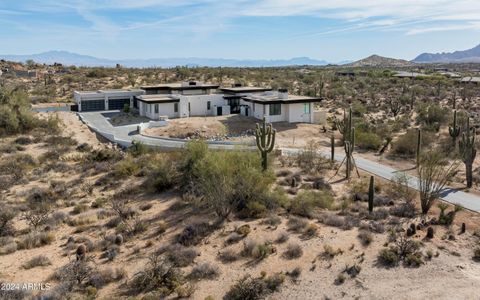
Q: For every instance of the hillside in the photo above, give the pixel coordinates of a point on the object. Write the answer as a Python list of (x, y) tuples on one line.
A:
[(380, 61), (466, 56)]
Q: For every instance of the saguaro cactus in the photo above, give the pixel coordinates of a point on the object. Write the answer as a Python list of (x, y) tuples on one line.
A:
[(332, 148), (371, 193), (419, 145), (468, 151), (349, 147), (454, 130), (265, 138), (345, 126)]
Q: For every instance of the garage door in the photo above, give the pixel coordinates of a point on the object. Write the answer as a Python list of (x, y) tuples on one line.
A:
[(93, 105), (117, 103)]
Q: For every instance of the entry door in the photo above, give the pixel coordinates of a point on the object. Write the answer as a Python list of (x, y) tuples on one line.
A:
[(219, 111)]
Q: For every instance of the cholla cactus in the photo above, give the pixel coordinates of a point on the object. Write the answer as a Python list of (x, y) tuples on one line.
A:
[(468, 151), (265, 138)]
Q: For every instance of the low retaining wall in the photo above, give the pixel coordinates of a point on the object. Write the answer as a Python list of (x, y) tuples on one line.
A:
[(151, 124)]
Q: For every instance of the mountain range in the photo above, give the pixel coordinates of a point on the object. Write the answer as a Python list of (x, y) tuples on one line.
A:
[(68, 58), (466, 56)]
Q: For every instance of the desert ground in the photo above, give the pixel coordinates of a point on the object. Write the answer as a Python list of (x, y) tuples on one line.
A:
[(308, 254)]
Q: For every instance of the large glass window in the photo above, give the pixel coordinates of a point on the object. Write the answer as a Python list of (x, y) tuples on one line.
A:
[(306, 108), (208, 105), (156, 108), (175, 107), (275, 109)]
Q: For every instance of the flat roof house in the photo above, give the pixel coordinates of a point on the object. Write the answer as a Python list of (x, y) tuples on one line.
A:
[(193, 98), (279, 106)]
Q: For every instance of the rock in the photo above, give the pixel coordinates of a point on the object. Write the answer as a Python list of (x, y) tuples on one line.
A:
[(243, 230)]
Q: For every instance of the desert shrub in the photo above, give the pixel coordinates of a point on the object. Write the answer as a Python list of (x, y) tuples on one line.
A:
[(432, 116), (97, 73), (311, 161), (17, 166), (297, 224), (282, 237), (74, 273), (272, 220), (329, 252), (7, 214), (178, 255), (37, 261), (35, 239), (365, 237), (234, 238), (293, 251), (61, 141), (194, 233), (16, 115), (138, 149), (126, 167), (228, 255), (103, 155), (79, 208), (310, 231), (158, 275), (23, 140), (38, 212), (367, 140), (398, 188), (476, 253), (204, 270), (404, 210), (388, 257), (7, 246), (162, 173), (248, 288), (406, 145), (103, 277), (306, 201), (84, 147)]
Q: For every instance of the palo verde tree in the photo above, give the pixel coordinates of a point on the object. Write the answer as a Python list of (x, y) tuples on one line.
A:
[(434, 172), (468, 151), (265, 138)]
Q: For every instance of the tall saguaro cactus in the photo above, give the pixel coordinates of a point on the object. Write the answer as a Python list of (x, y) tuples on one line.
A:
[(349, 146), (454, 130), (345, 126), (265, 138), (468, 151), (371, 193), (332, 148), (419, 145)]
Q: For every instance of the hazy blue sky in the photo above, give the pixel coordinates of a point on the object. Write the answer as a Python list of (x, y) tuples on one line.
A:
[(333, 30)]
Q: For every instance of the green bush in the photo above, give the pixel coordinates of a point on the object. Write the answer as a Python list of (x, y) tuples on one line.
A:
[(388, 257), (367, 140), (126, 167), (228, 180), (306, 201), (162, 173), (406, 145)]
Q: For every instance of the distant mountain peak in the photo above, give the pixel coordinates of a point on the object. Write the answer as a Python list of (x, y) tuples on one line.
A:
[(376, 60), (465, 56)]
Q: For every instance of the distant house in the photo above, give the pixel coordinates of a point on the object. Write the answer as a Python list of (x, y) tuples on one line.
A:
[(345, 74), (193, 98), (475, 80), (450, 74), (403, 74)]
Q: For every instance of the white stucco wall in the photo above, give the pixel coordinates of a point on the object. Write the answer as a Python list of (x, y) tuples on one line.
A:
[(198, 104), (296, 113), (164, 109)]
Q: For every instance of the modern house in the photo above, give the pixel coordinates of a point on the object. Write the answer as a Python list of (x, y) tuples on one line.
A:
[(182, 100)]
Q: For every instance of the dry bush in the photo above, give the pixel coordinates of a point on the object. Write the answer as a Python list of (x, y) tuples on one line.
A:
[(179, 255), (234, 238), (204, 270), (296, 224), (103, 277), (158, 275), (7, 214), (193, 234), (293, 251), (365, 237), (307, 201), (35, 239), (37, 261), (228, 255), (282, 238), (254, 288), (329, 252)]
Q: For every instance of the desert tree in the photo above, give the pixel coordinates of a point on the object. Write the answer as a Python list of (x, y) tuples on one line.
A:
[(434, 173), (468, 151)]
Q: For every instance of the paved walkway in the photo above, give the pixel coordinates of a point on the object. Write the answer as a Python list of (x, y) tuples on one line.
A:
[(126, 134)]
